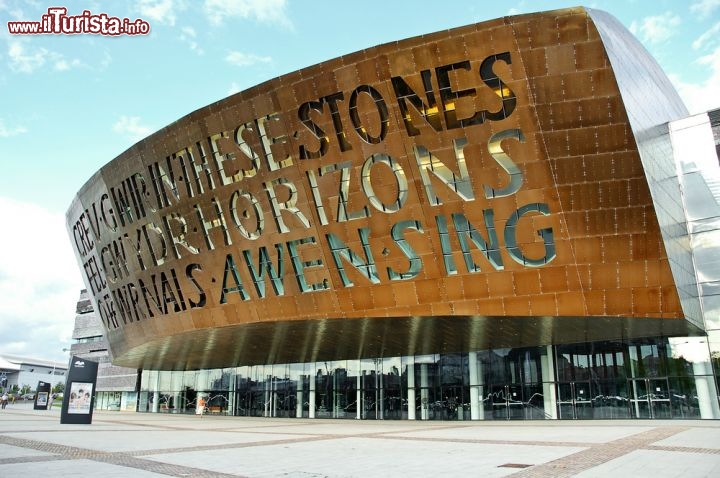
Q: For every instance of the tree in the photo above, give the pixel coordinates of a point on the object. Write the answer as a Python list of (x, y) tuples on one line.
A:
[(58, 388)]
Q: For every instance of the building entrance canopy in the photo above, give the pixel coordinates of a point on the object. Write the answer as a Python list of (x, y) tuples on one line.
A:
[(319, 340)]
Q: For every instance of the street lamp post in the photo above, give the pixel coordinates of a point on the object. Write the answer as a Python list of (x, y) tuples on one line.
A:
[(68, 362)]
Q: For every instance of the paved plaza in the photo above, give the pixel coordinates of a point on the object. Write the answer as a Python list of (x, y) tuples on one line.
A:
[(120, 444)]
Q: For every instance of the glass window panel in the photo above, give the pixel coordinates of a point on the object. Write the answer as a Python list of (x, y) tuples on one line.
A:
[(184, 380)]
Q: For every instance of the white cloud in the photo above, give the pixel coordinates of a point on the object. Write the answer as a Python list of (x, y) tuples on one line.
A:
[(15, 12), (131, 127), (266, 11), (708, 38), (40, 282), (702, 96), (106, 60), (7, 132), (25, 60), (234, 88), (692, 349), (239, 58), (704, 8), (160, 11), (656, 29), (188, 36), (64, 65)]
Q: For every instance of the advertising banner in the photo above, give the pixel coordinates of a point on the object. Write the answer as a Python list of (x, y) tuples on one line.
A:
[(42, 397), (78, 400)]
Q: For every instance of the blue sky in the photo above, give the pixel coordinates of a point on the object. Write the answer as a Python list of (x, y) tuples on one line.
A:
[(69, 104)]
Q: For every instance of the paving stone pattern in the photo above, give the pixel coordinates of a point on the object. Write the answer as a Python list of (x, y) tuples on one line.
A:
[(167, 445)]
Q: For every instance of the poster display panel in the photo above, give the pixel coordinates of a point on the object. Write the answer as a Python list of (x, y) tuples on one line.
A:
[(78, 400)]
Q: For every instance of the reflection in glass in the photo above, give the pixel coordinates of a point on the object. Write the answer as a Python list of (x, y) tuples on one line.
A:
[(649, 378)]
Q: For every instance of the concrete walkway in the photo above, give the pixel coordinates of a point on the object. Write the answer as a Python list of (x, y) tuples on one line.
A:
[(122, 444)]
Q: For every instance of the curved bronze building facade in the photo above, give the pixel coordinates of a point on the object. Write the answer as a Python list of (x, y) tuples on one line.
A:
[(499, 186)]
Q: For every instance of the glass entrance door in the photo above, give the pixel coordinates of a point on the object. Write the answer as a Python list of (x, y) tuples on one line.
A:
[(507, 402), (456, 403), (574, 400), (650, 398)]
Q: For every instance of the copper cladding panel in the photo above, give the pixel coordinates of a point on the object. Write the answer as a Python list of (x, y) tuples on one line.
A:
[(246, 230)]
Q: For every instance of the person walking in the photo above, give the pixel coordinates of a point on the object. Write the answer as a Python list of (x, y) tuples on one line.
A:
[(200, 406), (4, 400)]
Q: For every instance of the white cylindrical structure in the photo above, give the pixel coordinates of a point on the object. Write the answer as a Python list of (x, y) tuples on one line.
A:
[(547, 366), (411, 402), (424, 399), (475, 370), (311, 399), (706, 390), (358, 394), (299, 397)]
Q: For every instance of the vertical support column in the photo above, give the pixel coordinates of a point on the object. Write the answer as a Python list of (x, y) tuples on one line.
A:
[(358, 392), (299, 397), (706, 390), (156, 393), (476, 391), (411, 388), (273, 396), (424, 399), (266, 404), (177, 402), (381, 385), (335, 398), (363, 397), (311, 405), (232, 386), (632, 353), (547, 369)]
